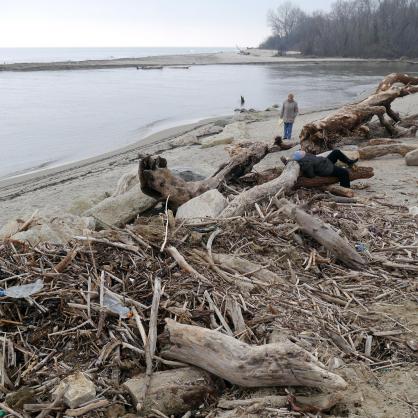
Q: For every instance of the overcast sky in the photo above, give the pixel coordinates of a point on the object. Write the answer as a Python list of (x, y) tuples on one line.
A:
[(77, 23)]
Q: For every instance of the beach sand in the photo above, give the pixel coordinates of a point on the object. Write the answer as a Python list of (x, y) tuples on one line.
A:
[(256, 56), (78, 186)]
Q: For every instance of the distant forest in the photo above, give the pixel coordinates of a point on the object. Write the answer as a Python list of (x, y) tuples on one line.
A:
[(353, 28)]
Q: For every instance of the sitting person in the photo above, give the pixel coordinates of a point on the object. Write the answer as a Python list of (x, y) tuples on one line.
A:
[(313, 165)]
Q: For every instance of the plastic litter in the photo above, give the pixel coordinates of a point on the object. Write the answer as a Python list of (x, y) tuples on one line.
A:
[(2, 413), (24, 290), (114, 305), (361, 248)]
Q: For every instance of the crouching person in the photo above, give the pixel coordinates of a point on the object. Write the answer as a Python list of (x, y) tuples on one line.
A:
[(313, 165)]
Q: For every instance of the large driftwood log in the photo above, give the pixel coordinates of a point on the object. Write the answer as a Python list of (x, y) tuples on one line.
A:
[(246, 200), (160, 183), (350, 120), (374, 151), (323, 233), (280, 364)]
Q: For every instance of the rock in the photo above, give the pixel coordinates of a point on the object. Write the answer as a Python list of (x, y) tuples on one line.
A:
[(80, 389), (412, 158), (119, 210), (186, 174), (173, 392), (58, 229), (209, 204)]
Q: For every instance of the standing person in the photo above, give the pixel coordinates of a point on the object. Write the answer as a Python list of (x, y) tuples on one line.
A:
[(288, 114)]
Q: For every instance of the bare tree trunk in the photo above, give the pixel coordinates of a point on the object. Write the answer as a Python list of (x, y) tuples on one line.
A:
[(322, 135), (279, 364)]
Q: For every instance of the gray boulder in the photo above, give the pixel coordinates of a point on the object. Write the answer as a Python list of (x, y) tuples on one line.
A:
[(121, 209), (412, 158), (208, 205)]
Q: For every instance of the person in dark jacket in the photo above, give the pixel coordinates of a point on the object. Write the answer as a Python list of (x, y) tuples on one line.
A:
[(313, 165)]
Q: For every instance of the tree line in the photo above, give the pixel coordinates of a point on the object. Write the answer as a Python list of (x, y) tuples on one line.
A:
[(352, 28)]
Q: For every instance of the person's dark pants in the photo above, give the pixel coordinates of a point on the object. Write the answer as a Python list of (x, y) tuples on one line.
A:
[(342, 174), (288, 130)]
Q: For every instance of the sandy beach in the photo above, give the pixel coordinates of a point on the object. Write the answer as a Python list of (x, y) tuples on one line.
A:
[(78, 186), (255, 56)]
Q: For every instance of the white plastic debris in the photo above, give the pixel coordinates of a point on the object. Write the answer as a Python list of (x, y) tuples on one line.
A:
[(114, 305), (24, 290)]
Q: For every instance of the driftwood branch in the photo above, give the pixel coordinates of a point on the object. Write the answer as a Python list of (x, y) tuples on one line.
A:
[(323, 233), (279, 364), (350, 120)]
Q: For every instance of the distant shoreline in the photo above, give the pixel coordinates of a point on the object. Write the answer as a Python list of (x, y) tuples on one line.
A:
[(260, 57)]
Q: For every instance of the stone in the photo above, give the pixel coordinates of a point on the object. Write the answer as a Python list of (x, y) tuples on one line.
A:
[(173, 392), (80, 389), (186, 174), (121, 209), (412, 158), (413, 210), (208, 205), (57, 229)]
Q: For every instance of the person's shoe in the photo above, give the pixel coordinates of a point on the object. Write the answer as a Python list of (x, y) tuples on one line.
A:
[(352, 162)]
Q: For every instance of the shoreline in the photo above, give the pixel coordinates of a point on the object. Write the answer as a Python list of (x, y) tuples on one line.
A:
[(219, 58), (77, 186)]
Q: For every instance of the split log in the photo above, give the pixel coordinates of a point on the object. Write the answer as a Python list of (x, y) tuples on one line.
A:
[(374, 151), (350, 120), (323, 233), (356, 173), (246, 200), (280, 364), (160, 183)]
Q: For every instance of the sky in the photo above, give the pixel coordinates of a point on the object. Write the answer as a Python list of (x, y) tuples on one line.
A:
[(152, 23)]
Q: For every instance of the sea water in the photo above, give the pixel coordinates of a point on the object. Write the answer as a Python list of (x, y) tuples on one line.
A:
[(49, 118)]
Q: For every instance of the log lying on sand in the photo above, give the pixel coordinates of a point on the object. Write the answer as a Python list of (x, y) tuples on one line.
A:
[(323, 233), (350, 120), (280, 364), (159, 182), (374, 151), (355, 174)]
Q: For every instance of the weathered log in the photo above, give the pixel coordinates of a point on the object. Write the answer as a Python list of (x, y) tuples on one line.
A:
[(247, 199), (323, 233), (374, 151), (160, 183), (355, 174), (280, 364), (350, 120)]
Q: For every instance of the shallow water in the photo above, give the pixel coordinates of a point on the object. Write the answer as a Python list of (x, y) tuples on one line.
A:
[(54, 117)]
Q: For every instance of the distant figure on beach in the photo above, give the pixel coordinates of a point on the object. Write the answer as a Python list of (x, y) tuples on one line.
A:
[(313, 165), (242, 101), (288, 114)]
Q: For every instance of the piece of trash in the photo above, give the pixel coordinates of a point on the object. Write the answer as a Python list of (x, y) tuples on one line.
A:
[(412, 344), (114, 305), (2, 413), (23, 291), (413, 210), (361, 248)]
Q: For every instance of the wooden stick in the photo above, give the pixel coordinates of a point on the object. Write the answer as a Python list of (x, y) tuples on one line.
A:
[(77, 412), (151, 343)]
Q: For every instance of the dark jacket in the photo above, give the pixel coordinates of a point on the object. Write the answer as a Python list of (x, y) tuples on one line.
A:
[(312, 165)]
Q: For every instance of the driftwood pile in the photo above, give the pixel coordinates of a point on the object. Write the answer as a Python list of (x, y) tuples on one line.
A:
[(252, 300)]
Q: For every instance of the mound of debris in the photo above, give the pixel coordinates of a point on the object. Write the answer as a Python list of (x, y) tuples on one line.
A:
[(166, 317)]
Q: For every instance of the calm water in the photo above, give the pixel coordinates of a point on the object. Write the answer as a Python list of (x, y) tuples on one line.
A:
[(11, 55), (51, 118)]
